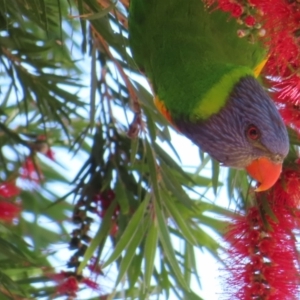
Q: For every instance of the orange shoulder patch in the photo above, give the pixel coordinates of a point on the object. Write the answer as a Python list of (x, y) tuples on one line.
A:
[(162, 109)]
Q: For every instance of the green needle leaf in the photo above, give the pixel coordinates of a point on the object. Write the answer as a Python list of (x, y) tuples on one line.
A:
[(164, 238), (149, 252), (130, 231)]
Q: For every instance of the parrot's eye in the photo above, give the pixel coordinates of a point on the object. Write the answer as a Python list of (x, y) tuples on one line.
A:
[(253, 132)]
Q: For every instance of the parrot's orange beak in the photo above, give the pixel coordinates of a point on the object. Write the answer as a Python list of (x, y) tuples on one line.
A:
[(265, 172)]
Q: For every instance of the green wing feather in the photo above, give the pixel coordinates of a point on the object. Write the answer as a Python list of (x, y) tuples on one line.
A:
[(192, 56)]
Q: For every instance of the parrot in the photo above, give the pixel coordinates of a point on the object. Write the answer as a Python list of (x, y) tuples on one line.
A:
[(205, 81)]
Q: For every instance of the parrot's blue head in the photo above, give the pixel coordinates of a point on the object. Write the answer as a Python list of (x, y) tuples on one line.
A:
[(247, 133)]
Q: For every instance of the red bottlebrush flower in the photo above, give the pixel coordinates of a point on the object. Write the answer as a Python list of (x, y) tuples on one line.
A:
[(287, 89), (94, 266), (263, 259), (286, 92), (68, 283), (114, 229), (225, 5), (291, 115), (280, 19), (30, 171), (283, 52), (236, 10), (69, 286), (9, 189), (9, 211), (50, 154), (104, 200), (285, 197), (91, 284), (250, 21)]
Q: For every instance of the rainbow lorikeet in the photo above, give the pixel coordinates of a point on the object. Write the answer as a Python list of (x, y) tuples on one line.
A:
[(204, 77)]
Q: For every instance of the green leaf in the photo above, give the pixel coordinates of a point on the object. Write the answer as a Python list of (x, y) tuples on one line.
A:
[(134, 149), (180, 222), (215, 175), (149, 252), (151, 126), (135, 269), (153, 169), (99, 237), (164, 238), (192, 296), (121, 195), (206, 241), (131, 248), (131, 229), (100, 14)]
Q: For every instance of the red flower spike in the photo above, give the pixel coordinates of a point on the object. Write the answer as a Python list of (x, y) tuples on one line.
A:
[(68, 287), (250, 21), (225, 5), (9, 189), (291, 116), (8, 211), (236, 10), (103, 201), (288, 90), (68, 283), (253, 217), (266, 269), (110, 195), (94, 266), (280, 19), (91, 284), (114, 229), (97, 198), (29, 171), (258, 290), (257, 262), (50, 154)]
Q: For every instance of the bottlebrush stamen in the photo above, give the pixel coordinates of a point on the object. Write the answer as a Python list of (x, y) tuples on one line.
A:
[(262, 255)]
